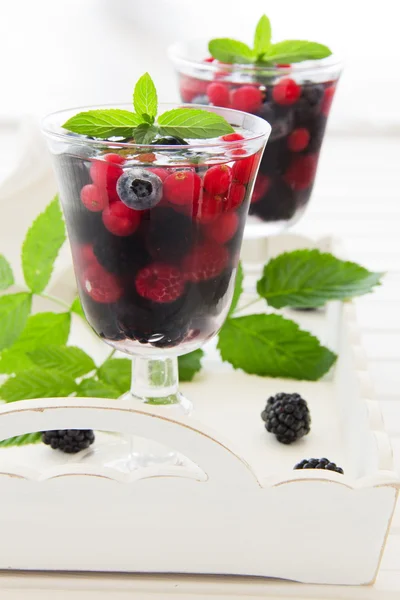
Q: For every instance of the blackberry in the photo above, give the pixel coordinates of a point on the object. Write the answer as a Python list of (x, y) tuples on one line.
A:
[(287, 416), (170, 234), (309, 103), (169, 140), (318, 463), (69, 441), (118, 254), (279, 204)]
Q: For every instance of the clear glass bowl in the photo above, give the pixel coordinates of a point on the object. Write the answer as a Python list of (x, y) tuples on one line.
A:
[(294, 99)]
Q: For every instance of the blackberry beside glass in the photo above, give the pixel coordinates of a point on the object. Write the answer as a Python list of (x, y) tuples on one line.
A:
[(294, 99)]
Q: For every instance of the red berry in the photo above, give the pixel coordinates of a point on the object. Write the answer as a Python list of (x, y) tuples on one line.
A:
[(223, 230), (283, 66), (101, 285), (207, 208), (301, 172), (298, 139), (190, 87), (242, 170), (162, 173), (236, 196), (217, 179), (327, 100), (120, 220), (86, 254), (261, 187), (238, 152), (160, 282), (94, 197), (182, 187), (148, 157), (247, 98), (232, 137), (106, 172), (218, 94), (205, 261), (209, 59), (286, 92)]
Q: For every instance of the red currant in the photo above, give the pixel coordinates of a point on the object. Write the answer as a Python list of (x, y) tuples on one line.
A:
[(217, 179), (327, 100), (286, 92), (94, 198), (182, 187), (261, 187), (243, 169), (246, 98), (232, 137), (236, 196), (162, 173), (298, 140), (301, 172), (106, 172), (218, 94), (102, 286), (208, 208), (224, 228), (121, 220)]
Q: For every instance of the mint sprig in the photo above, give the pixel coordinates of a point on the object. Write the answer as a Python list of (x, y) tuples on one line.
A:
[(231, 51), (143, 126)]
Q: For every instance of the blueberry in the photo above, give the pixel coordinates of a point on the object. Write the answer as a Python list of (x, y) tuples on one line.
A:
[(202, 99), (169, 140), (139, 189)]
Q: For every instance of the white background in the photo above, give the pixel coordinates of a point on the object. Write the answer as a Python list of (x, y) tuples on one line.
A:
[(59, 53)]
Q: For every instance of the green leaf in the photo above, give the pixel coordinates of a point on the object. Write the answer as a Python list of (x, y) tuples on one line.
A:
[(193, 123), (6, 274), (41, 246), (67, 359), (262, 36), (116, 372), (14, 361), (309, 278), (292, 51), (93, 388), (44, 329), (272, 346), (76, 307), (148, 119), (14, 311), (22, 440), (37, 383), (145, 133), (231, 51), (237, 292), (104, 123), (145, 96), (189, 365)]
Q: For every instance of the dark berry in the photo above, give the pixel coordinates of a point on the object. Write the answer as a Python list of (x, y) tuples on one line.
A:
[(160, 282), (139, 189), (309, 105), (169, 140), (69, 441), (278, 204), (121, 220), (318, 463), (287, 416), (118, 254), (169, 234)]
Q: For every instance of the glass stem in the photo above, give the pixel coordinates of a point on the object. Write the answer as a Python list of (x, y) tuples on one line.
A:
[(155, 380)]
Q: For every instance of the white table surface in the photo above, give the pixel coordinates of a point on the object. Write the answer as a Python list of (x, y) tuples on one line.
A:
[(357, 197)]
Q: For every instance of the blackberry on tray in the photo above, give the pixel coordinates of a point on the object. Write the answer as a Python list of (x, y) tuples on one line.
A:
[(287, 416), (69, 441), (318, 463)]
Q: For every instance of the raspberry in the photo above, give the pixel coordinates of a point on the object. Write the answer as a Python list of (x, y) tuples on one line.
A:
[(232, 137), (218, 94), (301, 172), (286, 92), (106, 172), (298, 139), (243, 169), (261, 187), (217, 179), (160, 282), (162, 173), (102, 287), (223, 230), (120, 220), (246, 98), (208, 208), (94, 198), (236, 196), (182, 187), (190, 88), (205, 261), (327, 100)]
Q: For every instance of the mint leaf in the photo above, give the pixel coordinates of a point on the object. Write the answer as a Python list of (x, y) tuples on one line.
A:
[(145, 133), (14, 312), (237, 292), (230, 51), (116, 372), (93, 388), (145, 96), (6, 274), (14, 361), (41, 246), (68, 359), (76, 307), (193, 123), (148, 119), (292, 51), (272, 346), (44, 329), (22, 440), (104, 123), (189, 365), (262, 36), (37, 383), (310, 278)]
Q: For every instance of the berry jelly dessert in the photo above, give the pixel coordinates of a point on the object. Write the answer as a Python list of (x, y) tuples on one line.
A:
[(295, 99)]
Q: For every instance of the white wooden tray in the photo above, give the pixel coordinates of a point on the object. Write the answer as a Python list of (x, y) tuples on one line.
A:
[(240, 509)]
